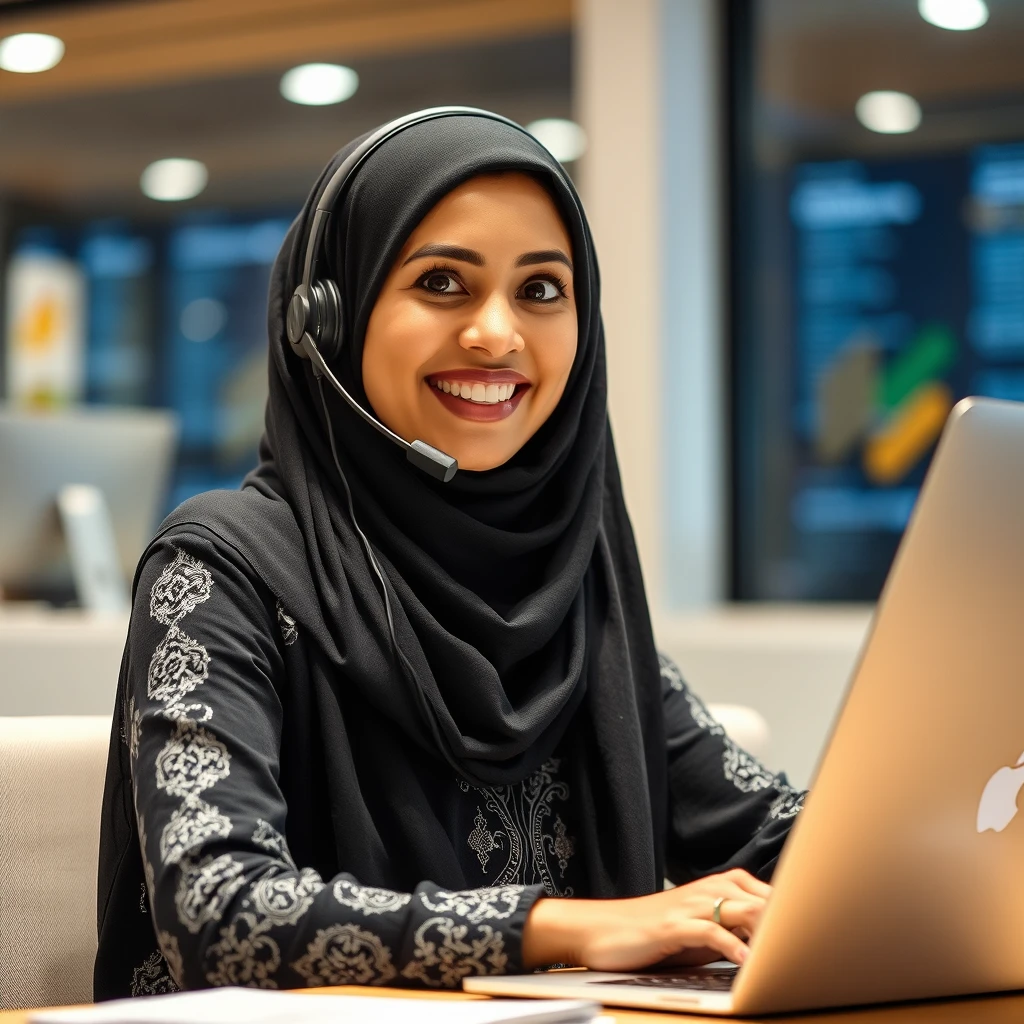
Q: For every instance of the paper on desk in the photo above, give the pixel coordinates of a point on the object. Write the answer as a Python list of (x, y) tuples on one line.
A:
[(250, 1006)]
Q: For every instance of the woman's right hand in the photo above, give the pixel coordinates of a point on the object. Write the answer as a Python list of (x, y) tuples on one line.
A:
[(674, 926)]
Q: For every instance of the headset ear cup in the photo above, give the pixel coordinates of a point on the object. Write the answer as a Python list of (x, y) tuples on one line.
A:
[(328, 300)]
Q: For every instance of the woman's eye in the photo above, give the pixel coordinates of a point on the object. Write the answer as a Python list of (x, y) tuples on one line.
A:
[(540, 290), (441, 284)]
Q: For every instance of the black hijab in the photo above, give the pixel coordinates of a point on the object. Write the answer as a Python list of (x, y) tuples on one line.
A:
[(519, 607)]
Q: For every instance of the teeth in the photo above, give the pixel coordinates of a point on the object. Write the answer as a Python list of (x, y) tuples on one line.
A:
[(482, 394)]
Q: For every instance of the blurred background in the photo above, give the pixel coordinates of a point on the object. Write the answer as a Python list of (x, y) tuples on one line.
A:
[(810, 222)]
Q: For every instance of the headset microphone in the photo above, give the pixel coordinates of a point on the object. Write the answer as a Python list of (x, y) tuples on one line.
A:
[(419, 453)]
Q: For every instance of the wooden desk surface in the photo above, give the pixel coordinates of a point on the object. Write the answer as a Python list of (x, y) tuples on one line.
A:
[(987, 1010)]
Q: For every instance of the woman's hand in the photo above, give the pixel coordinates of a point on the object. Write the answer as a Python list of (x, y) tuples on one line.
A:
[(675, 926)]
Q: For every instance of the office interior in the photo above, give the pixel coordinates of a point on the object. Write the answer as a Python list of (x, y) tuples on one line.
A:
[(809, 217)]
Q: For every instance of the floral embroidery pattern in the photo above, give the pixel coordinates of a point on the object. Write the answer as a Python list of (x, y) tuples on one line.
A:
[(562, 846), (482, 841), (177, 667), (134, 728), (743, 770), (183, 585), (192, 760), (283, 899), (523, 814), (345, 954), (245, 955), (189, 827), (151, 977), (475, 905), (289, 630), (444, 953), (267, 837), (788, 804), (367, 899), (205, 888)]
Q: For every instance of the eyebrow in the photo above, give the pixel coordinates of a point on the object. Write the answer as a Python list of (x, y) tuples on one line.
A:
[(457, 252)]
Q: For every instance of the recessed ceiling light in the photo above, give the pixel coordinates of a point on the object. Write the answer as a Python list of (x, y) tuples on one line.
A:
[(891, 113), (317, 85), (174, 179), (565, 140), (29, 52), (956, 15)]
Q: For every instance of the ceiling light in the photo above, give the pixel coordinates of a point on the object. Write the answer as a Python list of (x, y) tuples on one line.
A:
[(891, 113), (317, 85), (174, 179), (956, 15), (29, 52), (565, 140)]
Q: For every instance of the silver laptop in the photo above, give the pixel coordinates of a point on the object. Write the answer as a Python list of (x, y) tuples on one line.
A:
[(902, 878)]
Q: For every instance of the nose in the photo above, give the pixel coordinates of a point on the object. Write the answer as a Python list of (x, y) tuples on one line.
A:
[(493, 330)]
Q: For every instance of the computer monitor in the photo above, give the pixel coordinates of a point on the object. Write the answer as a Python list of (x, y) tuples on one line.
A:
[(125, 454)]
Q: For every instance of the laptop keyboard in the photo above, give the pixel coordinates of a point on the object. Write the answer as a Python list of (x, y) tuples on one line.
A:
[(716, 979)]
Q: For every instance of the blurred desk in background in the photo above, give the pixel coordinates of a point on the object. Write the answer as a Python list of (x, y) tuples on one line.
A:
[(791, 663), (58, 662)]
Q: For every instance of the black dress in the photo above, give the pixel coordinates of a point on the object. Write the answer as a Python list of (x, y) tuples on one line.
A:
[(220, 865)]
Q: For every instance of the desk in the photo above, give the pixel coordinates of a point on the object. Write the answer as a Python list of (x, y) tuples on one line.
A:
[(989, 1010)]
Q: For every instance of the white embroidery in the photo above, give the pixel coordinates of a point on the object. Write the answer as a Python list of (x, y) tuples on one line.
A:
[(193, 712), (475, 905), (151, 977), (172, 957), (562, 846), (481, 840), (267, 837), (523, 812), (191, 825), (205, 888), (367, 899), (245, 955), (289, 630), (788, 804), (179, 664), (182, 586), (442, 961), (745, 772), (345, 954), (192, 760), (283, 899), (134, 728)]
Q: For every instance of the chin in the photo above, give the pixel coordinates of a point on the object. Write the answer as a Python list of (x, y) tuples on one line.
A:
[(477, 461)]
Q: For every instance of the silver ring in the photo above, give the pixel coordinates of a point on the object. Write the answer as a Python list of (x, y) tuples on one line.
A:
[(716, 914)]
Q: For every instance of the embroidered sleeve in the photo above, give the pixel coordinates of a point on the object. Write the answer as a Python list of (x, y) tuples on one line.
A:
[(726, 809), (229, 903)]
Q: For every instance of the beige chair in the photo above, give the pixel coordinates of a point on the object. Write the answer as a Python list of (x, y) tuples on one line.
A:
[(51, 787)]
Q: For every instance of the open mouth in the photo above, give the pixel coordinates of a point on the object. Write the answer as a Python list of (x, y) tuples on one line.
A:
[(479, 396)]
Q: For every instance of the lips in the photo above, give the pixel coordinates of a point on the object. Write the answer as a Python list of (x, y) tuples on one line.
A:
[(490, 384)]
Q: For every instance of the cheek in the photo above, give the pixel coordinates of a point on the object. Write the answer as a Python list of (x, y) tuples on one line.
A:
[(400, 338), (556, 350)]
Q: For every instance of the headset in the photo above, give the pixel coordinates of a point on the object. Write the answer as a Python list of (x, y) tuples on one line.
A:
[(314, 320)]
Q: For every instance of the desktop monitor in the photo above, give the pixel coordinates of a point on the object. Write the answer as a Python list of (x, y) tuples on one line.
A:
[(125, 454)]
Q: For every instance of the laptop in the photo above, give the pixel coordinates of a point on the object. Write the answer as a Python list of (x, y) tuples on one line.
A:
[(902, 876)]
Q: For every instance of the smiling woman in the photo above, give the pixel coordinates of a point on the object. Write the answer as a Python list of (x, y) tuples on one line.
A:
[(373, 717), (478, 300)]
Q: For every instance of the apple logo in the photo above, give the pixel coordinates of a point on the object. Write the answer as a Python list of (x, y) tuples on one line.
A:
[(999, 799)]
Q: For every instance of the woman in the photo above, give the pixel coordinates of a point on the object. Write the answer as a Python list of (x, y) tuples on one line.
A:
[(331, 782)]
